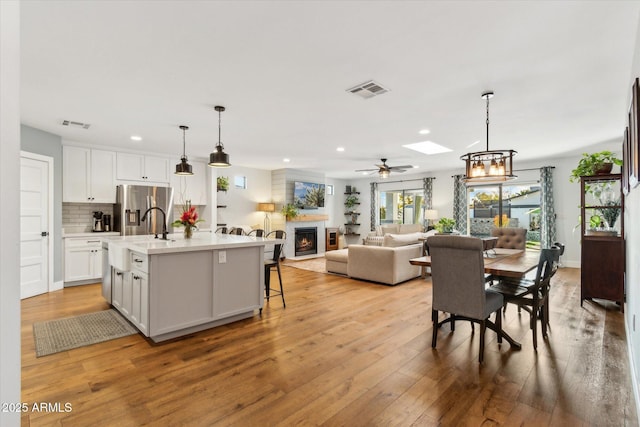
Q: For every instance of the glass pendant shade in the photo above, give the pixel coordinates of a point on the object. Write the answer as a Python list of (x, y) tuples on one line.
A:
[(184, 168)]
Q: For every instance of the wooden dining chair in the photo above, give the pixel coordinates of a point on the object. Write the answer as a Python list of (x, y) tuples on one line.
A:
[(458, 286), (532, 295), (274, 262), (221, 230)]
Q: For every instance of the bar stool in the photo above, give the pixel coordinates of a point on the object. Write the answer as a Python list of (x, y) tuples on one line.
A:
[(222, 230), (274, 262), (258, 232), (238, 231)]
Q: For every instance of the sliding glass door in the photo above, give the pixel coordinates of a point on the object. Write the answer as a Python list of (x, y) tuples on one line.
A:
[(402, 207), (504, 205)]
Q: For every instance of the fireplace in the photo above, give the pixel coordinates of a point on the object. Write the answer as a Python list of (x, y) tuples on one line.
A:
[(306, 241)]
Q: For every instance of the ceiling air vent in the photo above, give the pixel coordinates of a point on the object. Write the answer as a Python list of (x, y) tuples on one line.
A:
[(368, 90), (75, 124)]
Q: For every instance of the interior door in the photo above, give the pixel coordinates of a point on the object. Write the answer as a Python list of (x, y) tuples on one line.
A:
[(34, 226)]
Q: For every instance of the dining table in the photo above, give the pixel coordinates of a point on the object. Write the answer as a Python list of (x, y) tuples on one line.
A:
[(500, 262)]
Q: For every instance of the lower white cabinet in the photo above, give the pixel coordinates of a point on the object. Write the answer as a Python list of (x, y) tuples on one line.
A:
[(130, 292), (82, 259)]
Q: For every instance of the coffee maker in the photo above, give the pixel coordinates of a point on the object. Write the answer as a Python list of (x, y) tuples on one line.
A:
[(98, 224)]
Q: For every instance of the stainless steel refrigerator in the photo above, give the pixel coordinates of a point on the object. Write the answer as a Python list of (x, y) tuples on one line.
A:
[(132, 201)]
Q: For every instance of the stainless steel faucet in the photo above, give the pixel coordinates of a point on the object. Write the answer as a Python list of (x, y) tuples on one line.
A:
[(164, 221)]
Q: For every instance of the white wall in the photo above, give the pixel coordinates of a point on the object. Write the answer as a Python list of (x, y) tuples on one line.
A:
[(242, 203), (9, 231), (632, 239)]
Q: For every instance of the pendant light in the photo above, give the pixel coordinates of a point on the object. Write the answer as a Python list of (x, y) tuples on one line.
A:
[(499, 162), (184, 168), (219, 158)]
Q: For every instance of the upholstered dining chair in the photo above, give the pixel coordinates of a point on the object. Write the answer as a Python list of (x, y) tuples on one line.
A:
[(222, 230), (257, 232), (238, 231), (458, 286), (274, 262), (510, 237), (532, 295)]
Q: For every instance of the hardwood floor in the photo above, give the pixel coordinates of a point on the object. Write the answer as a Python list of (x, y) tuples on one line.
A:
[(343, 352)]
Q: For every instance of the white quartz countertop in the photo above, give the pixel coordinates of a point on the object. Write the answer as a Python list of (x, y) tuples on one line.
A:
[(177, 243)]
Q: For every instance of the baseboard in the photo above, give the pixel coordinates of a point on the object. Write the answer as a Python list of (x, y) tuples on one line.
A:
[(632, 367), (56, 286)]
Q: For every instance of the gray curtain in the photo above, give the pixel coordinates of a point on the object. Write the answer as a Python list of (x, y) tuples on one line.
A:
[(460, 204), (547, 210), (374, 206), (427, 188)]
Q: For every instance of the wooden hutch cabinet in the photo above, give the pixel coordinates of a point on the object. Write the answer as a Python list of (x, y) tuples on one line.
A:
[(602, 237)]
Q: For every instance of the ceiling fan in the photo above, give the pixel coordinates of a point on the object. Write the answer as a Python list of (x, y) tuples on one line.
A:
[(384, 170)]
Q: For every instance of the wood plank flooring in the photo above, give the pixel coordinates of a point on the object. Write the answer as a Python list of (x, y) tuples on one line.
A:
[(343, 353)]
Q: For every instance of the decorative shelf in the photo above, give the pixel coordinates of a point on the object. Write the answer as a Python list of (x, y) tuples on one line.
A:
[(351, 234), (352, 213), (353, 223), (221, 206), (307, 218)]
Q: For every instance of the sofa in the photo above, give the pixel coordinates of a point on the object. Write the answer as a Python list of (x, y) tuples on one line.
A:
[(376, 237), (510, 237), (388, 263)]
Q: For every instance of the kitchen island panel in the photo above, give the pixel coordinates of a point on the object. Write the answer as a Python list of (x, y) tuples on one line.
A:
[(180, 291), (237, 282)]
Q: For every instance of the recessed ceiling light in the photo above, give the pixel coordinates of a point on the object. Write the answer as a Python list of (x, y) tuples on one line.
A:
[(136, 138), (340, 149), (286, 160), (424, 132), (473, 143), (427, 147)]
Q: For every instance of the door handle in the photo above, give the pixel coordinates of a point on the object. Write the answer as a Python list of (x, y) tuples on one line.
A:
[(44, 233)]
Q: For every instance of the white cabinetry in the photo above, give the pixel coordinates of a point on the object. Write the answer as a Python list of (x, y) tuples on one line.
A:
[(82, 259), (88, 175), (130, 294), (191, 187), (137, 167)]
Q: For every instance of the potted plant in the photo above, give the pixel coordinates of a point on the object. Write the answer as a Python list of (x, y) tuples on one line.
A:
[(445, 225), (222, 183), (351, 201), (290, 211), (594, 164)]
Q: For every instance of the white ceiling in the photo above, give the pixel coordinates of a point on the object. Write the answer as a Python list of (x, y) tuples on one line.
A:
[(559, 70)]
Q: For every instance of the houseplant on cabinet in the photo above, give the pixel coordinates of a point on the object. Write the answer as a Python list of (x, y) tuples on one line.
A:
[(594, 164)]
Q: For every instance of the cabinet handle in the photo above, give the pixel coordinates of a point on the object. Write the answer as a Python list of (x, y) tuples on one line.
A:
[(137, 260), (93, 241), (118, 273), (136, 277)]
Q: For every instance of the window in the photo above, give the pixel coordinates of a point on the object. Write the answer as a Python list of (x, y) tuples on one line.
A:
[(502, 205), (402, 207), (240, 182)]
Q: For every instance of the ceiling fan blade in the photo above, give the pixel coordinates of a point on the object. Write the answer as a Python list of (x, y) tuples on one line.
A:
[(401, 167), (366, 170)]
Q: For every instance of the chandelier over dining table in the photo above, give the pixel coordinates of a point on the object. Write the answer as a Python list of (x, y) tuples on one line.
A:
[(490, 165)]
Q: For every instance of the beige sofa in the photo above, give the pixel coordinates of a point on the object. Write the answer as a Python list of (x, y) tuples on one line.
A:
[(376, 237), (388, 264)]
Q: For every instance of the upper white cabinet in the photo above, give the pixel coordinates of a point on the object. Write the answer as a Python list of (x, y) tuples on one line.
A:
[(137, 167), (88, 175), (191, 187)]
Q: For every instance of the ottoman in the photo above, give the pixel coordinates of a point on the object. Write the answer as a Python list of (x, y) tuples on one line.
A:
[(336, 261)]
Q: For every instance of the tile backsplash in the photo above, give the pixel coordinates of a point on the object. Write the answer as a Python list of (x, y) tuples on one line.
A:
[(78, 217)]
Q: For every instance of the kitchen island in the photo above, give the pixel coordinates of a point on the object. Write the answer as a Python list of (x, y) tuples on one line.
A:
[(169, 288)]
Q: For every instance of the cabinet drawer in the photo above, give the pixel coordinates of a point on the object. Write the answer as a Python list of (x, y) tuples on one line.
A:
[(87, 242), (139, 262)]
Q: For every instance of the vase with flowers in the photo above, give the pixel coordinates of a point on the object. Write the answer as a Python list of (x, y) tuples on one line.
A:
[(188, 219)]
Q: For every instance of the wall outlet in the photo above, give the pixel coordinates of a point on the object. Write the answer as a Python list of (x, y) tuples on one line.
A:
[(222, 257)]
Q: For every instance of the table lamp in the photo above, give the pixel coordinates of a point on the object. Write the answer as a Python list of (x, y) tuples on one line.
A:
[(430, 214), (267, 208)]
